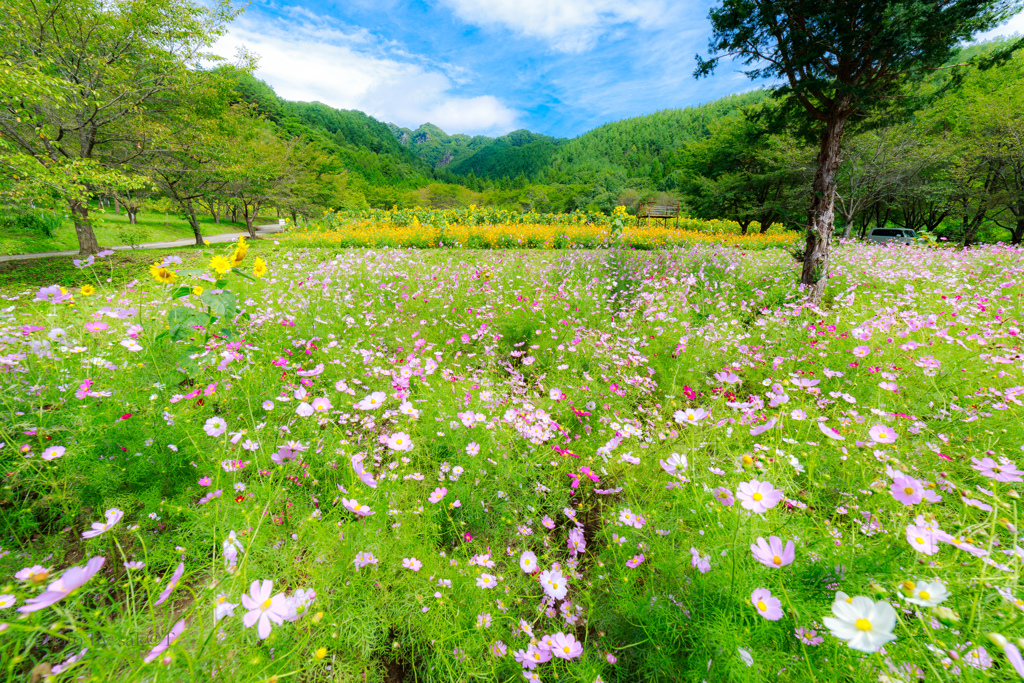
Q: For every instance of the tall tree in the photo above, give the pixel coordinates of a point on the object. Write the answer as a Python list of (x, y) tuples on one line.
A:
[(86, 71), (839, 59)]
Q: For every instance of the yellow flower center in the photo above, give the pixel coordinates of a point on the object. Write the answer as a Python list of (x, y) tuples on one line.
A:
[(761, 606), (221, 599), (565, 649), (777, 560), (747, 459), (919, 540), (757, 496), (909, 585), (862, 624), (925, 595), (908, 490), (398, 442), (266, 605), (554, 586)]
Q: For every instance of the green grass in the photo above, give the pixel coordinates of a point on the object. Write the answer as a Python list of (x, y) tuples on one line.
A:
[(110, 231)]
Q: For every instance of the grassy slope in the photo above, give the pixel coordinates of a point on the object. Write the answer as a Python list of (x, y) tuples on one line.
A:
[(152, 227)]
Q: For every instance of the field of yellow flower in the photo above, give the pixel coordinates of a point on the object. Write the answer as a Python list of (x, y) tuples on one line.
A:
[(475, 228)]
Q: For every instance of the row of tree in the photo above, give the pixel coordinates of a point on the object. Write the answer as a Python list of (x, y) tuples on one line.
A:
[(115, 98)]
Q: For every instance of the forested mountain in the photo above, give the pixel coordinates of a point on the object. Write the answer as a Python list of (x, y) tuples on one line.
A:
[(365, 145)]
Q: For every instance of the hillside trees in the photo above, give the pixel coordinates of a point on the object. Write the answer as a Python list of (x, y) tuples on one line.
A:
[(837, 60), (85, 73), (743, 173)]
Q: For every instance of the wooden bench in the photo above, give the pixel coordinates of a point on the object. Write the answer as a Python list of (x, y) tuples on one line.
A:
[(662, 211)]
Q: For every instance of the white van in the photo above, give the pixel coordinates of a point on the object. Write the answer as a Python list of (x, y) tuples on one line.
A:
[(900, 235)]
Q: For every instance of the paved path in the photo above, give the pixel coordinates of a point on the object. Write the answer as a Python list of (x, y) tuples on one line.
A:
[(186, 242)]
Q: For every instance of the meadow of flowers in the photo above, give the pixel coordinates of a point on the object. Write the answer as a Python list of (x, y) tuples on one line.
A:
[(490, 228), (580, 465)]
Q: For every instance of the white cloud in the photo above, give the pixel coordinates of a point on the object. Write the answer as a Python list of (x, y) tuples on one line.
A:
[(305, 58), (567, 25), (1014, 25)]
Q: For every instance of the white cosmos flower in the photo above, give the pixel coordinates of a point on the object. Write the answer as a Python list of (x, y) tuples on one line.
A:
[(865, 625), (928, 594)]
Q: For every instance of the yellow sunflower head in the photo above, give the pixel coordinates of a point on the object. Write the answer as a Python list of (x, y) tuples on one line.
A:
[(259, 269), (220, 265), (87, 290), (162, 275)]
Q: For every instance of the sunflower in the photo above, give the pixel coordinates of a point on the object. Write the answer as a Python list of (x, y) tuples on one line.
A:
[(87, 290), (259, 269), (220, 264), (197, 290), (162, 275), (240, 252)]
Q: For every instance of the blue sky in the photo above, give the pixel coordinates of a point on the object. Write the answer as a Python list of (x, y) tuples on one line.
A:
[(558, 67)]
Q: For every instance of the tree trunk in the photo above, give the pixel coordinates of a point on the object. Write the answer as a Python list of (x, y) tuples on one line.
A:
[(1018, 234), (215, 213), (117, 206), (295, 218), (194, 222), (87, 244), (821, 216), (133, 218)]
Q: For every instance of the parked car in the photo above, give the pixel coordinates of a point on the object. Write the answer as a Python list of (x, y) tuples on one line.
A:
[(900, 235)]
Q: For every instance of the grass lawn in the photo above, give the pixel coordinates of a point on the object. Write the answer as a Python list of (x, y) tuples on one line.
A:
[(113, 229)]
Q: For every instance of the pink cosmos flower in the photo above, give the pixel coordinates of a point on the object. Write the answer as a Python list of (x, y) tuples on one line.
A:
[(36, 574), (758, 496), (762, 428), (1004, 471), (553, 583), (772, 553), (439, 493), (52, 452), (215, 426), (922, 539), (71, 580), (829, 432), (372, 402), (880, 434), (205, 481), (113, 516), (263, 609), (354, 506), (399, 442), (222, 608), (528, 562), (699, 561), (93, 326), (768, 607), (168, 640), (724, 496), (322, 404), (907, 490), (576, 543), (498, 649), (412, 563), (635, 561), (171, 585), (487, 581), (364, 559), (565, 646)]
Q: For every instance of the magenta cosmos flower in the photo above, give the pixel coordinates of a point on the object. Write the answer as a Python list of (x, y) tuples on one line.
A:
[(635, 561), (768, 607), (72, 579), (771, 553), (829, 432), (439, 493), (881, 434), (758, 496)]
